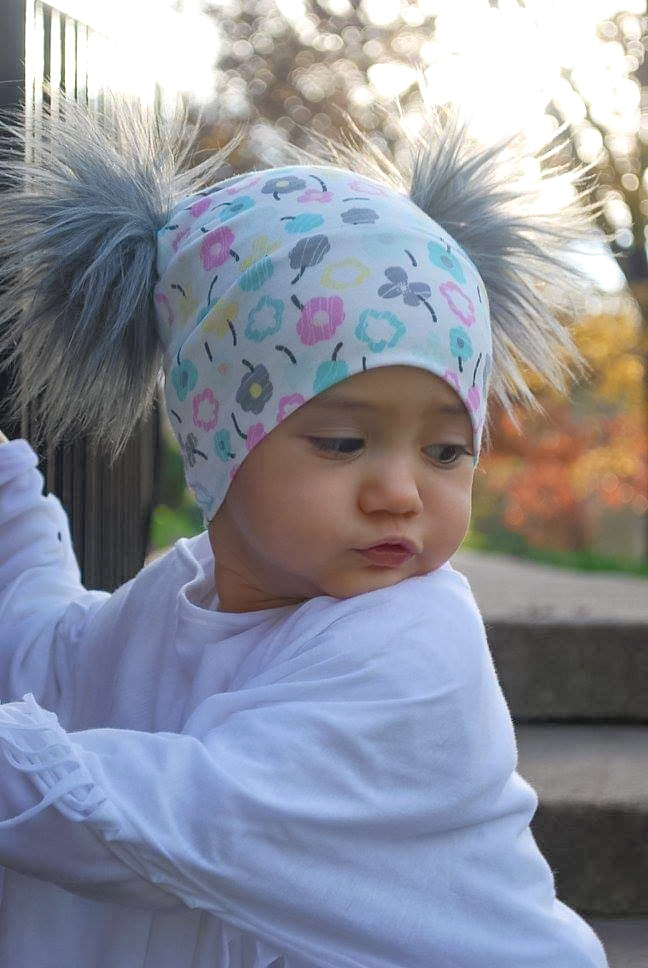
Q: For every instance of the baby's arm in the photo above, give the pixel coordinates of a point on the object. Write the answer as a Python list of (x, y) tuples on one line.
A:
[(356, 803), (39, 584)]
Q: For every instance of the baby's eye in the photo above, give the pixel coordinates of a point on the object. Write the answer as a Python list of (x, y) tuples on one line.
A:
[(445, 453), (337, 446)]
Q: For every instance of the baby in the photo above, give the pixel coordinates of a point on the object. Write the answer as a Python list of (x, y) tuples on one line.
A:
[(283, 743)]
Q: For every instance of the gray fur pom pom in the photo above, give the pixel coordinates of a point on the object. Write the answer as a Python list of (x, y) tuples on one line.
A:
[(77, 264), (520, 245), (490, 204)]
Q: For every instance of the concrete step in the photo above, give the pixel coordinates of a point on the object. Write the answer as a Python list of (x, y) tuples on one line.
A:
[(592, 821), (567, 645), (573, 670), (625, 941)]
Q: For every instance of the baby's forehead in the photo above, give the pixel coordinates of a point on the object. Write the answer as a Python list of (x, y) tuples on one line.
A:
[(387, 389)]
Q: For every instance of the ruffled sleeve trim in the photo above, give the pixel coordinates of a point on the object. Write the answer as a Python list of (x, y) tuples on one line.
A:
[(34, 743)]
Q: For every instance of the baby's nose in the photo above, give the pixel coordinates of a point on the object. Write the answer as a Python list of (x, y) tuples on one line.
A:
[(391, 485)]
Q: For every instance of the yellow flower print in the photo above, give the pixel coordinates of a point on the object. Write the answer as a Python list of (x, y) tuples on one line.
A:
[(183, 303), (345, 274), (261, 247), (220, 318)]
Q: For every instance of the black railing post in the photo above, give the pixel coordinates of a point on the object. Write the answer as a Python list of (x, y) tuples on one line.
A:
[(109, 504)]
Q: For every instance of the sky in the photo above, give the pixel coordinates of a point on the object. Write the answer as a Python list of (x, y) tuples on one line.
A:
[(501, 65)]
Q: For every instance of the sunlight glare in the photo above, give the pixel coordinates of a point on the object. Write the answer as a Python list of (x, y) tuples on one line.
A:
[(175, 44)]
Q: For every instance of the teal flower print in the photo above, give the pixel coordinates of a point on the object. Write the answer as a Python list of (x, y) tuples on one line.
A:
[(229, 209), (184, 377), (460, 346), (330, 372), (441, 255), (258, 274), (223, 445), (305, 222), (265, 319), (379, 330)]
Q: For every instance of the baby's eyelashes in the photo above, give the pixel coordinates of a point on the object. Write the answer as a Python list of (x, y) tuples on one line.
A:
[(442, 454), (446, 454), (337, 446)]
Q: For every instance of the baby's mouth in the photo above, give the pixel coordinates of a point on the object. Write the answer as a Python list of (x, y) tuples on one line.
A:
[(388, 554)]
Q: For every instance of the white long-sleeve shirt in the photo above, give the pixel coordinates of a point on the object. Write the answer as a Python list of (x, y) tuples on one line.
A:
[(330, 784)]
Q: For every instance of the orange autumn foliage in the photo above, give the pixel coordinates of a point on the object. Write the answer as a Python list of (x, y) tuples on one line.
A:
[(553, 476)]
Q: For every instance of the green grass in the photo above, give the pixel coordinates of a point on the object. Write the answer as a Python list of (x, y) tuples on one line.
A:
[(506, 542)]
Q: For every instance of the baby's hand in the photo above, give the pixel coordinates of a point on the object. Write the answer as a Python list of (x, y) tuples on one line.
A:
[(3, 439)]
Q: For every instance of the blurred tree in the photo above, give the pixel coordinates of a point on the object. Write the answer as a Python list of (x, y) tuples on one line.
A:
[(557, 476), (288, 69)]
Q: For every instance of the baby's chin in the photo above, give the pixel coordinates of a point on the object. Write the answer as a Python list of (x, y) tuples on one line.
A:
[(375, 579)]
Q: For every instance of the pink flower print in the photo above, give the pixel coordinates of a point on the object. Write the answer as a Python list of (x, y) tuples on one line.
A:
[(179, 238), (165, 312), (458, 302), (242, 185), (366, 188), (200, 206), (319, 319), (453, 379), (315, 195), (215, 247), (255, 435), (205, 409), (473, 400), (288, 404)]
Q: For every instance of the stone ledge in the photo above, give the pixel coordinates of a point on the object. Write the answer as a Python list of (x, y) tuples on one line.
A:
[(592, 821), (513, 589), (572, 671), (625, 940)]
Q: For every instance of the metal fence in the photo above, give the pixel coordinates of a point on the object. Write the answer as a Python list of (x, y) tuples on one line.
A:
[(47, 53)]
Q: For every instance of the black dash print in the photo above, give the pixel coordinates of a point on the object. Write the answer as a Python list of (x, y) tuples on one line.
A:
[(412, 259), (175, 285), (284, 349), (232, 330), (295, 301), (356, 198), (177, 416), (211, 286), (364, 362), (208, 352), (320, 181), (238, 429)]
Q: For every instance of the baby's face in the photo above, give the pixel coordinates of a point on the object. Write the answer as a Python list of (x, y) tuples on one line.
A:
[(367, 484)]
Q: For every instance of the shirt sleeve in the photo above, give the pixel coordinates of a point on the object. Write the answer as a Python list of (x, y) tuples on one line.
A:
[(357, 803), (39, 584)]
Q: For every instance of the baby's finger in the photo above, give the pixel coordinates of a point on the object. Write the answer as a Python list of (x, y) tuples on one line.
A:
[(3, 439)]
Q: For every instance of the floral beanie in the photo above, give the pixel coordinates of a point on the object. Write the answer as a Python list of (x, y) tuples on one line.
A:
[(276, 285), (264, 290)]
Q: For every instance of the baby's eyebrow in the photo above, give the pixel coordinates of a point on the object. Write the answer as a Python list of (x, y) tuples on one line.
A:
[(343, 403)]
